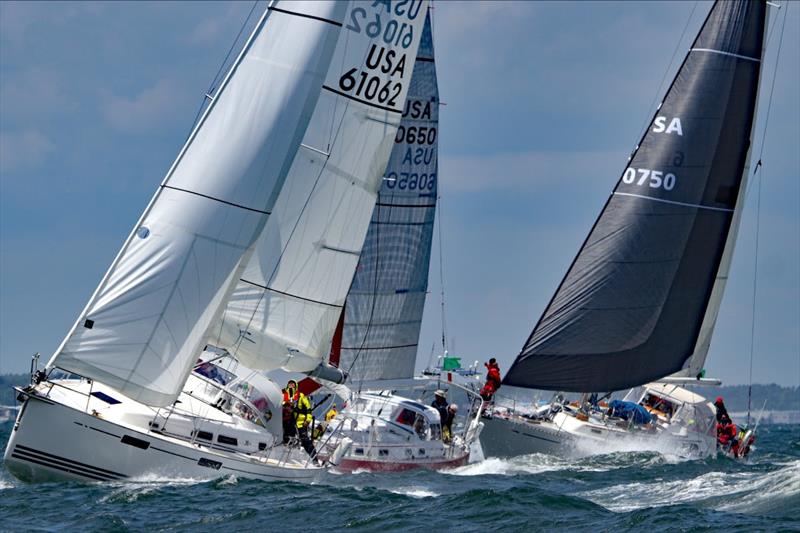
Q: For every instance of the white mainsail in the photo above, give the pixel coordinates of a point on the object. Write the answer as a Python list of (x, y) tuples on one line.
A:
[(143, 327), (284, 309)]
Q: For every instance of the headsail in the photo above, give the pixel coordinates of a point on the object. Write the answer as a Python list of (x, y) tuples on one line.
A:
[(385, 303), (631, 305), (285, 308), (145, 324)]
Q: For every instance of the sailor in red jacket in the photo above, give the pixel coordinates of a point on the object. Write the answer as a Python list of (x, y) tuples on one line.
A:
[(492, 380)]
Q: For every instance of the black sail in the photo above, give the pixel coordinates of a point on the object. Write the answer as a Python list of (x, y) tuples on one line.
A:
[(629, 309)]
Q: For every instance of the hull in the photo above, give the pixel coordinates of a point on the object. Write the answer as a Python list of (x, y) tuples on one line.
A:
[(51, 441), (506, 438), (349, 464), (567, 436)]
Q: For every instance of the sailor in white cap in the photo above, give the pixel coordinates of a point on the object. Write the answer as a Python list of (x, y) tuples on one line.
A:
[(440, 404)]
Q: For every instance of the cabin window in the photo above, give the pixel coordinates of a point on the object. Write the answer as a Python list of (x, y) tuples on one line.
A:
[(406, 417), (205, 435), (359, 451), (383, 452), (262, 446), (421, 451), (224, 439), (214, 373)]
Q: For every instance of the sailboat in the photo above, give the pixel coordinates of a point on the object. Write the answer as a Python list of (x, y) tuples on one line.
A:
[(281, 172), (380, 327), (638, 305)]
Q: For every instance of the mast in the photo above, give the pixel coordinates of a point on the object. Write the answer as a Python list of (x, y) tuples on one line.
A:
[(630, 308)]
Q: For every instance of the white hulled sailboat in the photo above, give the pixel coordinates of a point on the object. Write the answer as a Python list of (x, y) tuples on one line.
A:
[(638, 305), (388, 416), (252, 236)]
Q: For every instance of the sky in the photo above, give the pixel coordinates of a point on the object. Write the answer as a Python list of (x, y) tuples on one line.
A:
[(544, 103)]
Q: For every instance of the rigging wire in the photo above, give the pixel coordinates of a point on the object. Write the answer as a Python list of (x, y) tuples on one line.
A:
[(760, 177), (441, 279), (212, 87)]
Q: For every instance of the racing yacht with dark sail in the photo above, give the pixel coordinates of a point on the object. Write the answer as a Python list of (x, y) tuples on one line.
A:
[(638, 305)]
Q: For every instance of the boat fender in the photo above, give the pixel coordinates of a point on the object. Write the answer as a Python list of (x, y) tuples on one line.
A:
[(338, 453)]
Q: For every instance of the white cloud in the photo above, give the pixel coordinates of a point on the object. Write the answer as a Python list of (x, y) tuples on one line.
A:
[(23, 150), (144, 111)]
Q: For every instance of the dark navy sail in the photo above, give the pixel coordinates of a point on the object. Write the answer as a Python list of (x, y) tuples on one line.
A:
[(383, 312), (631, 305)]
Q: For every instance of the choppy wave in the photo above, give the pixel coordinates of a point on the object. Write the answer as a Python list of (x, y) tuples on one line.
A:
[(613, 491), (746, 491)]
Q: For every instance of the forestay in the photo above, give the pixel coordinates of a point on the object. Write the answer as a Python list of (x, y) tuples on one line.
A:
[(384, 307), (631, 306), (284, 309), (144, 326)]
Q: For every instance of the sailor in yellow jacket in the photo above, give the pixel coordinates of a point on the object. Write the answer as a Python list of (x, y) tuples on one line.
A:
[(303, 418)]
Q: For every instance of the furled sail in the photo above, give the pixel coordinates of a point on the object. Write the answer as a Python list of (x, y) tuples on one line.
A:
[(384, 307), (147, 321), (285, 307), (631, 306)]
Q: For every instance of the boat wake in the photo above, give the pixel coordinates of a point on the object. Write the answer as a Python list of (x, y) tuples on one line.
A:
[(541, 463), (758, 492)]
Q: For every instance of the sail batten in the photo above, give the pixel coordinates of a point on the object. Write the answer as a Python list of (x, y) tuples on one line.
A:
[(631, 305)]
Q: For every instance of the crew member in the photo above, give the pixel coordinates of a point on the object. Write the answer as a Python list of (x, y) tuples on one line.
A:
[(331, 414), (303, 419), (440, 404), (447, 423), (492, 380), (722, 412), (290, 397)]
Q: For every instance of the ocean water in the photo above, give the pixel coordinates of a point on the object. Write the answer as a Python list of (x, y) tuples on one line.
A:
[(619, 491)]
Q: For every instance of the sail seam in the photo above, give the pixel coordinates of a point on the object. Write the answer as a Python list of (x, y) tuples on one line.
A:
[(381, 347), (698, 206), (365, 102), (739, 56), (289, 294), (382, 204), (217, 200), (304, 15)]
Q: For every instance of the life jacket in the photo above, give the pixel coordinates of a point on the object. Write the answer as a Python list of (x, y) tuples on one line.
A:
[(493, 376), (330, 415), (302, 410), (288, 405)]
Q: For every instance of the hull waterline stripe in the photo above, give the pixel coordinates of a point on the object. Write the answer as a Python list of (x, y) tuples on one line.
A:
[(217, 200), (349, 97), (289, 294), (698, 206), (720, 52), (518, 432), (22, 448), (60, 465), (54, 467), (314, 17)]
